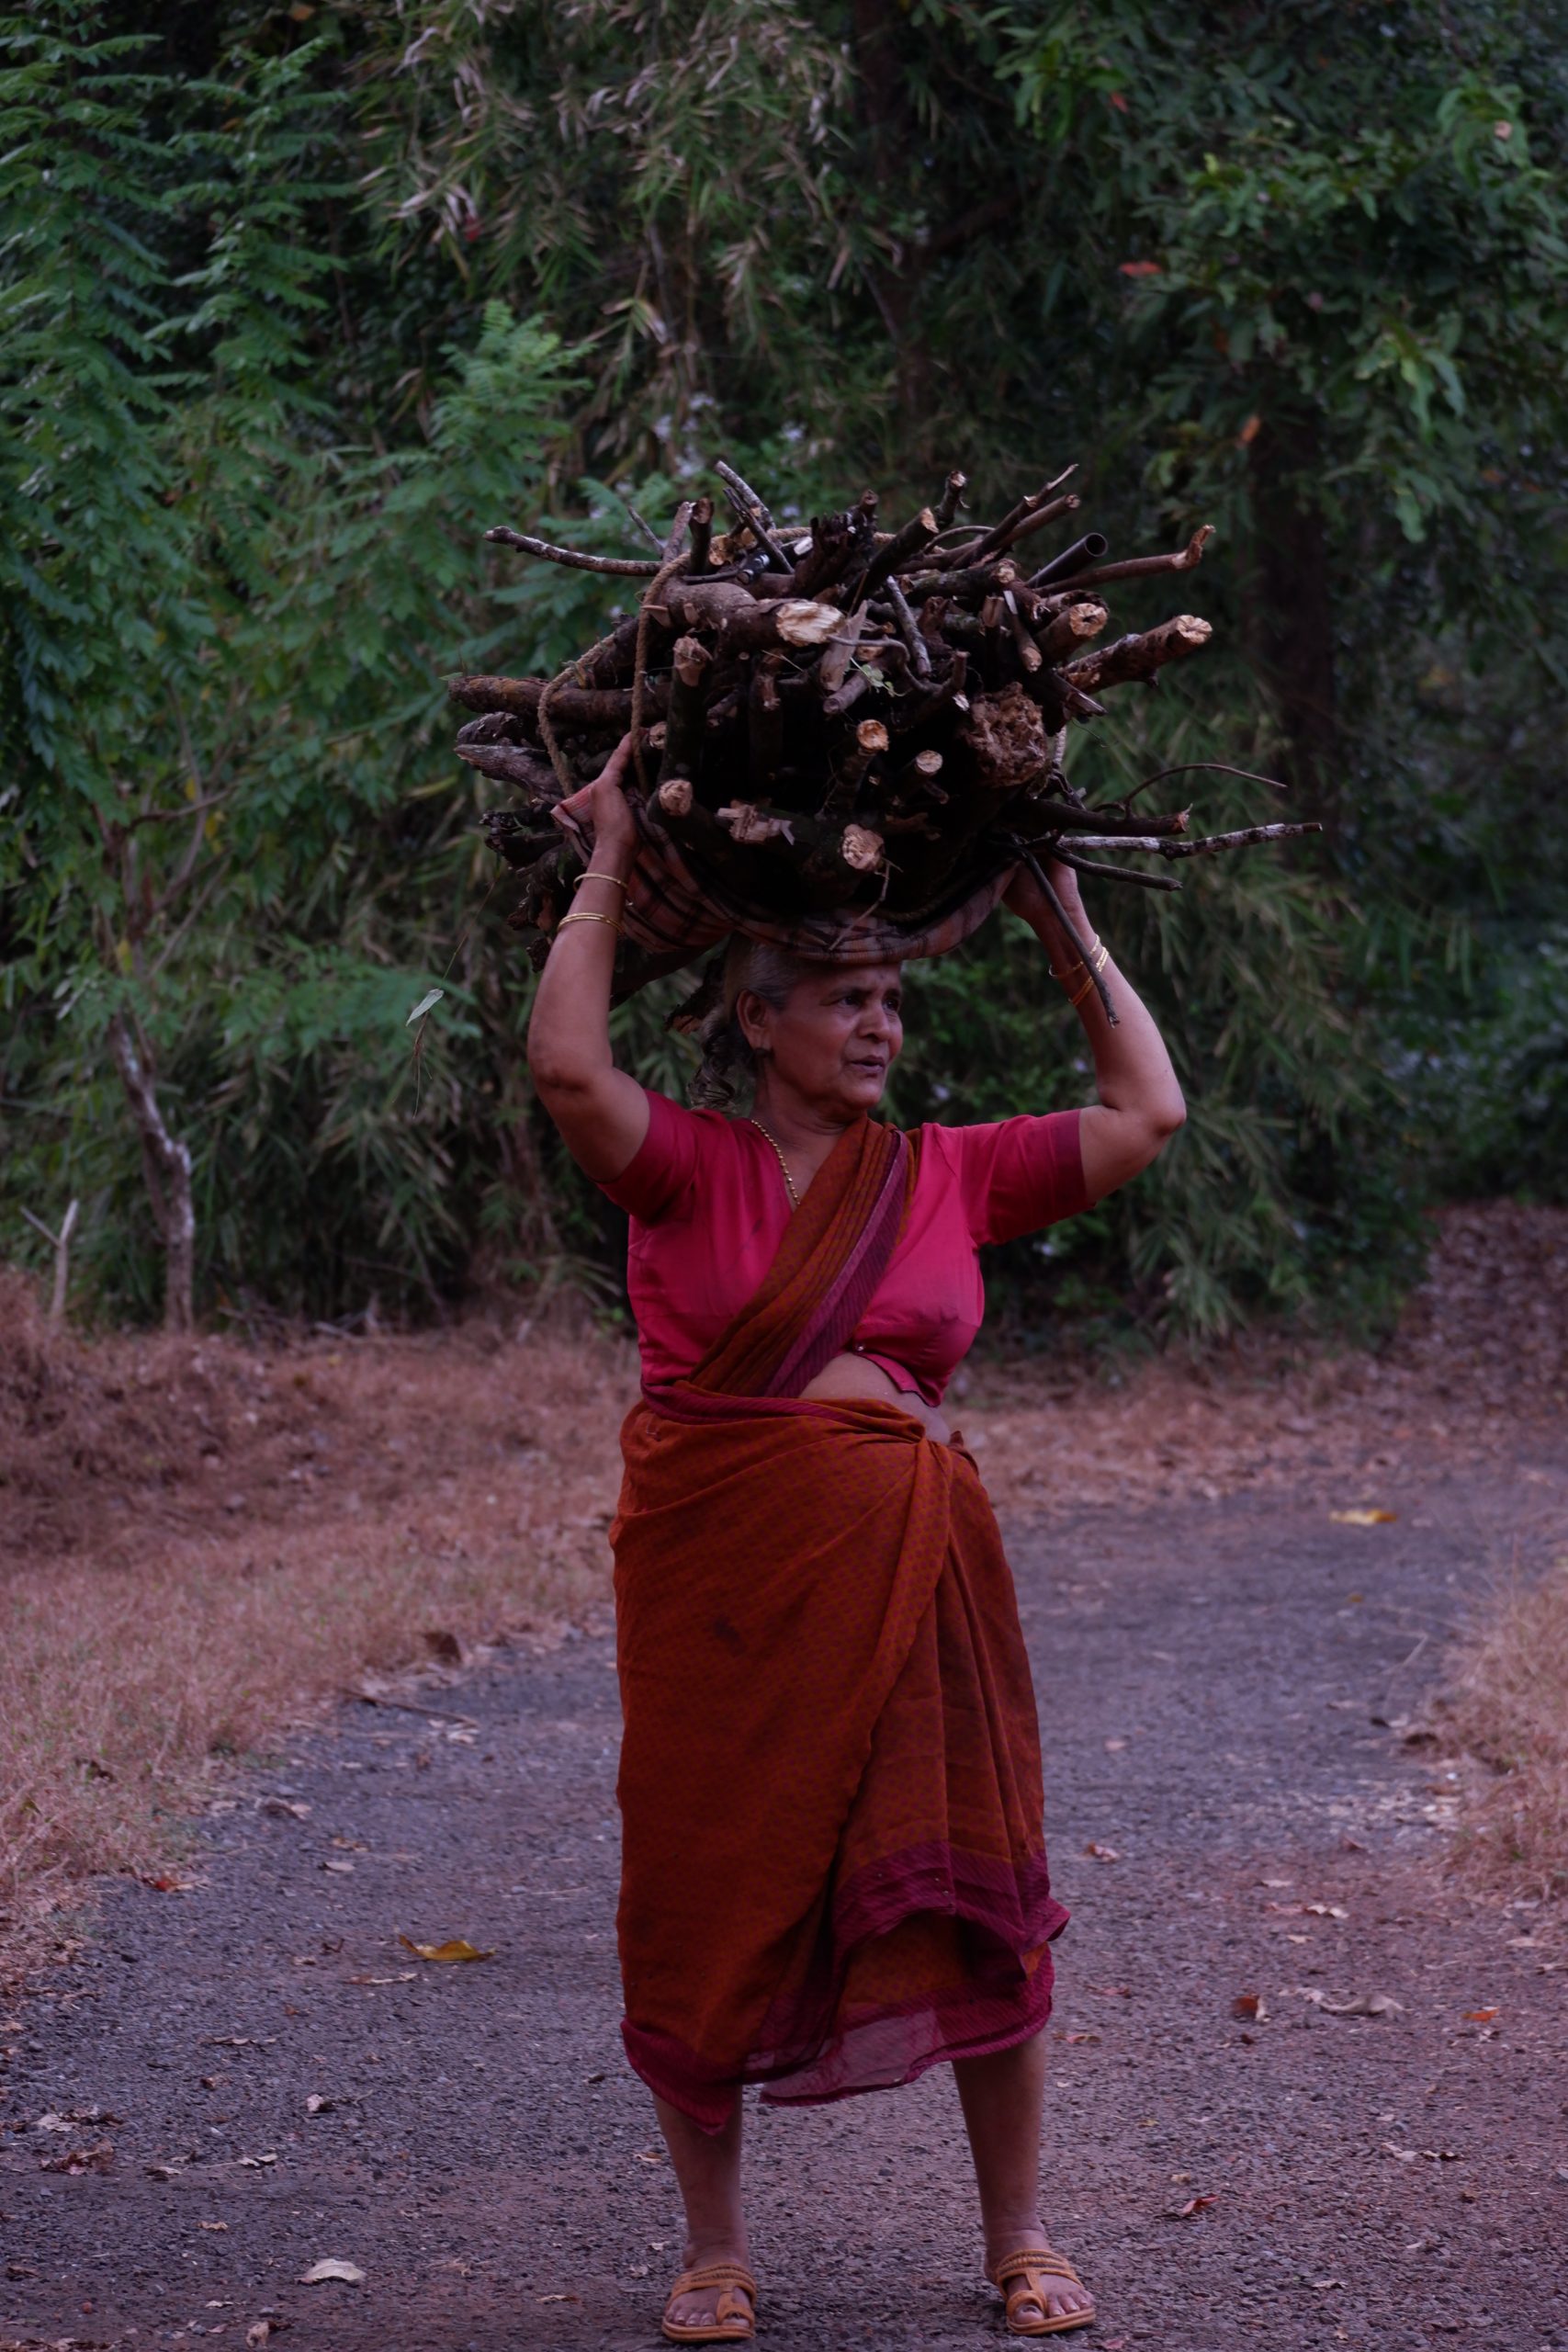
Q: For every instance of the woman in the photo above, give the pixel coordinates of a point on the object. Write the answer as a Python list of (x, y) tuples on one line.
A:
[(834, 1869)]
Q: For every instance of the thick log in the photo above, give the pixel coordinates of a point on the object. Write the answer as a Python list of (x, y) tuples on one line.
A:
[(593, 709), (494, 727), (764, 726), (1007, 740), (684, 730), (1139, 656), (521, 839), (746, 626), (512, 764), (834, 666), (1070, 632)]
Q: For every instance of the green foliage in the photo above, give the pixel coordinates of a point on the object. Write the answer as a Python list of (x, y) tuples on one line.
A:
[(294, 309)]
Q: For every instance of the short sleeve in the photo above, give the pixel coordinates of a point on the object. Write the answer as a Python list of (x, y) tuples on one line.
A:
[(663, 1168), (1021, 1174)]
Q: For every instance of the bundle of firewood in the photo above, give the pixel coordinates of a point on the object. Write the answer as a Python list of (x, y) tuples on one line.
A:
[(842, 721)]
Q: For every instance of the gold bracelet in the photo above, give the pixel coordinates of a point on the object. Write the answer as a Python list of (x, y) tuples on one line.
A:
[(582, 915), (594, 875), (1080, 966), (1086, 989)]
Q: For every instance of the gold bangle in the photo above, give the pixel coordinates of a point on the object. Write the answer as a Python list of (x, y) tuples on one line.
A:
[(1087, 990), (1068, 973), (582, 915), (1102, 957), (593, 875)]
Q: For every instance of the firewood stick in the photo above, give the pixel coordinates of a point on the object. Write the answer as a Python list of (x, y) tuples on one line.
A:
[(949, 502), (871, 741), (1031, 514), (749, 627), (896, 556), (626, 567), (1139, 656), (1139, 567), (1029, 653), (754, 515), (1114, 873), (1078, 945), (1156, 845), (701, 538), (904, 621)]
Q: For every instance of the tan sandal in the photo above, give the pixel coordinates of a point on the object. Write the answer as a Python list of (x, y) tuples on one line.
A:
[(1027, 2269), (737, 2300)]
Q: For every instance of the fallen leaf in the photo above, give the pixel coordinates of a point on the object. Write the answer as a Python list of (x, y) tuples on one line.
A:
[(1249, 2004), (1194, 2205), (1080, 2037), (330, 2267), (1442, 2156), (1114, 1746), (1323, 2284), (75, 2161), (1481, 2016), (238, 2040), (257, 2333), (1326, 1910), (1362, 1519), (403, 1976), (458, 1949), (1139, 269), (344, 1869), (558, 2299), (290, 1809), (650, 2155), (1406, 2156), (212, 2226), (256, 2163), (167, 1883), (1101, 1853), (316, 2105)]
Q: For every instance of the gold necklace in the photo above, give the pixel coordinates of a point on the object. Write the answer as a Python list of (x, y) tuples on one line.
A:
[(789, 1180)]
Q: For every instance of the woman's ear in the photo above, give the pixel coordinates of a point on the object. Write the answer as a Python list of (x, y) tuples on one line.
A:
[(752, 1012)]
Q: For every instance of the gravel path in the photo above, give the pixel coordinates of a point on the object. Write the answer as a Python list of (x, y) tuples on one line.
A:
[(1211, 1680)]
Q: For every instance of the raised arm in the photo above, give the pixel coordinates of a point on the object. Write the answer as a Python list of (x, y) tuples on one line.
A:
[(602, 1112), (1140, 1105)]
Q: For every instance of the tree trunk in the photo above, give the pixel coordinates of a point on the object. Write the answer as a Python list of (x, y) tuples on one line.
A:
[(166, 1164), (1295, 612)]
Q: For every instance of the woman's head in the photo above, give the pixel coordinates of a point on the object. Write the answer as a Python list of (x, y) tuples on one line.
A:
[(820, 1036)]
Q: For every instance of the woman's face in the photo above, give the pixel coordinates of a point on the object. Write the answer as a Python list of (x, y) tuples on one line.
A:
[(835, 1040)]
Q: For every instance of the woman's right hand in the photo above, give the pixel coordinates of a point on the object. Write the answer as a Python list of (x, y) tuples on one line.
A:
[(603, 808)]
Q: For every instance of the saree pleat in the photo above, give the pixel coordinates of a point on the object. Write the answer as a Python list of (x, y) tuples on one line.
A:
[(833, 1866)]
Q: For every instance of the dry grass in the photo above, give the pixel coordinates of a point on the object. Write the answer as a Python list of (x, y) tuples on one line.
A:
[(1507, 1705), (199, 1544)]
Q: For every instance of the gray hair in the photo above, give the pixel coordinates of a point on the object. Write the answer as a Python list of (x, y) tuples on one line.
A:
[(728, 1061)]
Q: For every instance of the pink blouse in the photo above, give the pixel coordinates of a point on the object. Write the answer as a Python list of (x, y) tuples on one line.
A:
[(708, 1209)]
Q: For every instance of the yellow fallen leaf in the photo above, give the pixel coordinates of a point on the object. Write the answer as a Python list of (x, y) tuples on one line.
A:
[(1362, 1517), (459, 1948), (330, 2268)]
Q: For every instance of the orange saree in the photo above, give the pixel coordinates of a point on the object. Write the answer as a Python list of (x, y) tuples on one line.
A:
[(833, 1864)]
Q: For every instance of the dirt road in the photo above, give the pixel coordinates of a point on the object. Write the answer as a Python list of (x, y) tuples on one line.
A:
[(1217, 1683)]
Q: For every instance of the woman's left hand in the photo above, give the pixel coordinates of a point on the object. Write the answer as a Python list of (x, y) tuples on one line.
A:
[(1024, 896)]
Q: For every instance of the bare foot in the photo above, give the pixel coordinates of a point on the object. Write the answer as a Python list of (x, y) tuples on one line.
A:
[(1062, 2298), (699, 2307)]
